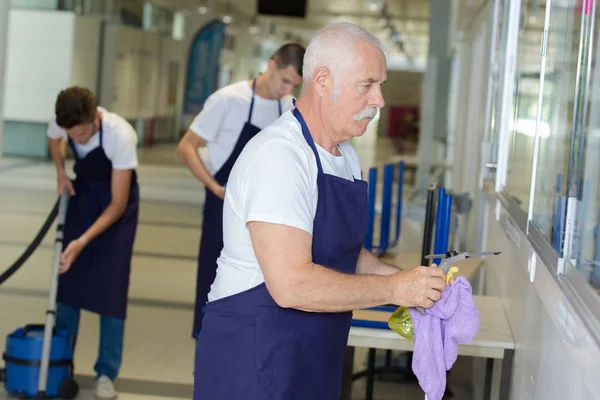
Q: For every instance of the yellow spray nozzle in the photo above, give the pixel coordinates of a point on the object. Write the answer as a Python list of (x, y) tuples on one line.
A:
[(451, 273)]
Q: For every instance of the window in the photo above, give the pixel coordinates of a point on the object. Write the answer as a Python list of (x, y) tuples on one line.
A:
[(553, 167), (582, 192), (522, 123)]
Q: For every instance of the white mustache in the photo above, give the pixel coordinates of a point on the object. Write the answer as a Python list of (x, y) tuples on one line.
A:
[(369, 112)]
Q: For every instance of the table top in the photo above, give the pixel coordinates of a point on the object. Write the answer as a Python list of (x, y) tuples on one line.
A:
[(493, 338)]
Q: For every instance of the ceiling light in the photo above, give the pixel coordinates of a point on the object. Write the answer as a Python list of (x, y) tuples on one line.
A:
[(253, 30), (226, 19), (373, 7), (202, 10)]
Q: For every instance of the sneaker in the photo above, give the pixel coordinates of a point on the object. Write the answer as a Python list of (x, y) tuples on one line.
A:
[(105, 388)]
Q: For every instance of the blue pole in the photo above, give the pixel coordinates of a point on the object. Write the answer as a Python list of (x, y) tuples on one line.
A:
[(399, 202), (386, 206), (447, 222), (439, 224), (558, 214), (371, 208)]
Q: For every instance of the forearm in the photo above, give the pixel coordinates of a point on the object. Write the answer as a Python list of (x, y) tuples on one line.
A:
[(369, 264), (57, 152), (110, 215), (190, 157), (320, 289)]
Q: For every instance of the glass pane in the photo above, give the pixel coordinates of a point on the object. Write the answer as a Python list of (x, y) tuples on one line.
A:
[(557, 120), (497, 70), (582, 242), (526, 92)]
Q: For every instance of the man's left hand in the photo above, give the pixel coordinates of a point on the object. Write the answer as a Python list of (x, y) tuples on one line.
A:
[(71, 253)]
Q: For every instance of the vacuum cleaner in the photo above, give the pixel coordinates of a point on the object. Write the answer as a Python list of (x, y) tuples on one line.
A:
[(39, 358)]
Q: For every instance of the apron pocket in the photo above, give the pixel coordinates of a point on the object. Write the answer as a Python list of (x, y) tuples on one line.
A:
[(299, 355)]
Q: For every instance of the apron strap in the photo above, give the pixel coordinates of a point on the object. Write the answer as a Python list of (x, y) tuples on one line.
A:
[(279, 105), (101, 132), (308, 137), (72, 145), (252, 102)]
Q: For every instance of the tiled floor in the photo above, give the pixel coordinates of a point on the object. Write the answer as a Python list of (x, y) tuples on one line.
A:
[(158, 355)]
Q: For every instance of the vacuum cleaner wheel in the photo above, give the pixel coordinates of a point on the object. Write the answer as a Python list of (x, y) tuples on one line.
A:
[(68, 388)]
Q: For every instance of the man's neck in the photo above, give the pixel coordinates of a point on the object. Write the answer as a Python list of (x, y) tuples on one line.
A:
[(262, 87), (314, 121)]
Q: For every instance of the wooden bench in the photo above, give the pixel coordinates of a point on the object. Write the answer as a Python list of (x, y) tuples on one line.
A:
[(493, 342)]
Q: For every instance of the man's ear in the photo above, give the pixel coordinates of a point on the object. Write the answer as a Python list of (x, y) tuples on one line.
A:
[(323, 81), (271, 65)]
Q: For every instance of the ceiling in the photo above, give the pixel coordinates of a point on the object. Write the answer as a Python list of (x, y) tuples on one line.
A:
[(403, 25)]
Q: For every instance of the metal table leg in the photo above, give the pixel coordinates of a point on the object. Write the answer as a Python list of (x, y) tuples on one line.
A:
[(347, 376), (507, 364)]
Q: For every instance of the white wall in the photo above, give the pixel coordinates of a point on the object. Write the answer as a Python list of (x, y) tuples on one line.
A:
[(40, 50), (47, 52)]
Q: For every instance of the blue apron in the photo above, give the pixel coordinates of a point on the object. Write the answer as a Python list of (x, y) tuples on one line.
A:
[(98, 280), (211, 241), (252, 349)]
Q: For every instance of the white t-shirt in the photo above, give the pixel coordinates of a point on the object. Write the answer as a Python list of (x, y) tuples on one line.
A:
[(274, 180), (119, 140), (224, 114)]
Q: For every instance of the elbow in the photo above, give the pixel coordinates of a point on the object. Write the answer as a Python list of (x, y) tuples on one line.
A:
[(181, 151), (284, 297)]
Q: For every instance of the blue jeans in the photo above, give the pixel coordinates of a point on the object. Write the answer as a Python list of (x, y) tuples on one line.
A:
[(112, 331)]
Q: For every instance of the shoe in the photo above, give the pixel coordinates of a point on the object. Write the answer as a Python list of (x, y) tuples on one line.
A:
[(105, 388)]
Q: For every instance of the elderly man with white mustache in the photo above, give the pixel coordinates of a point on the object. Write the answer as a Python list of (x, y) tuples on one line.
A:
[(293, 266)]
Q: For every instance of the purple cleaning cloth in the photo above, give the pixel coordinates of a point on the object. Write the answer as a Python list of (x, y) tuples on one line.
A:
[(452, 320)]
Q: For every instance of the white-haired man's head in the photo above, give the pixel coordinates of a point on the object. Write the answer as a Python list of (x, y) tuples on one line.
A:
[(334, 47), (344, 67)]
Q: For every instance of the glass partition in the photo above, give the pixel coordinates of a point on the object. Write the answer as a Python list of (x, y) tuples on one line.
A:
[(522, 125), (582, 220), (556, 122)]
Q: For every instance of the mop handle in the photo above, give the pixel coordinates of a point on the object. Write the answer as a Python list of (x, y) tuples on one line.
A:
[(51, 313)]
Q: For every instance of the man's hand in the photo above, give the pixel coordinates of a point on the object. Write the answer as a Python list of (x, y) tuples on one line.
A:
[(70, 254), (219, 191), (420, 286), (63, 182)]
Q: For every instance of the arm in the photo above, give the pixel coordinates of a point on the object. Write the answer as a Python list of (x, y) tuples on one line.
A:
[(369, 264), (294, 281), (187, 150), (120, 184), (57, 152), (205, 127)]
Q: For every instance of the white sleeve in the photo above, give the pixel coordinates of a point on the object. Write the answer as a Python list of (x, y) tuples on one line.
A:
[(208, 122), (54, 131), (278, 187), (123, 146)]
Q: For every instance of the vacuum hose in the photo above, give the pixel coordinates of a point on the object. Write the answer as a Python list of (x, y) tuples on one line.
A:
[(32, 246)]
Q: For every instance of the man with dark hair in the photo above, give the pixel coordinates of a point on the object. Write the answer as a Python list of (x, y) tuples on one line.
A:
[(101, 222), (231, 117)]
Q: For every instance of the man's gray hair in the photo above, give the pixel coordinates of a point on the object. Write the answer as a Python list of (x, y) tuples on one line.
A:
[(333, 47)]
